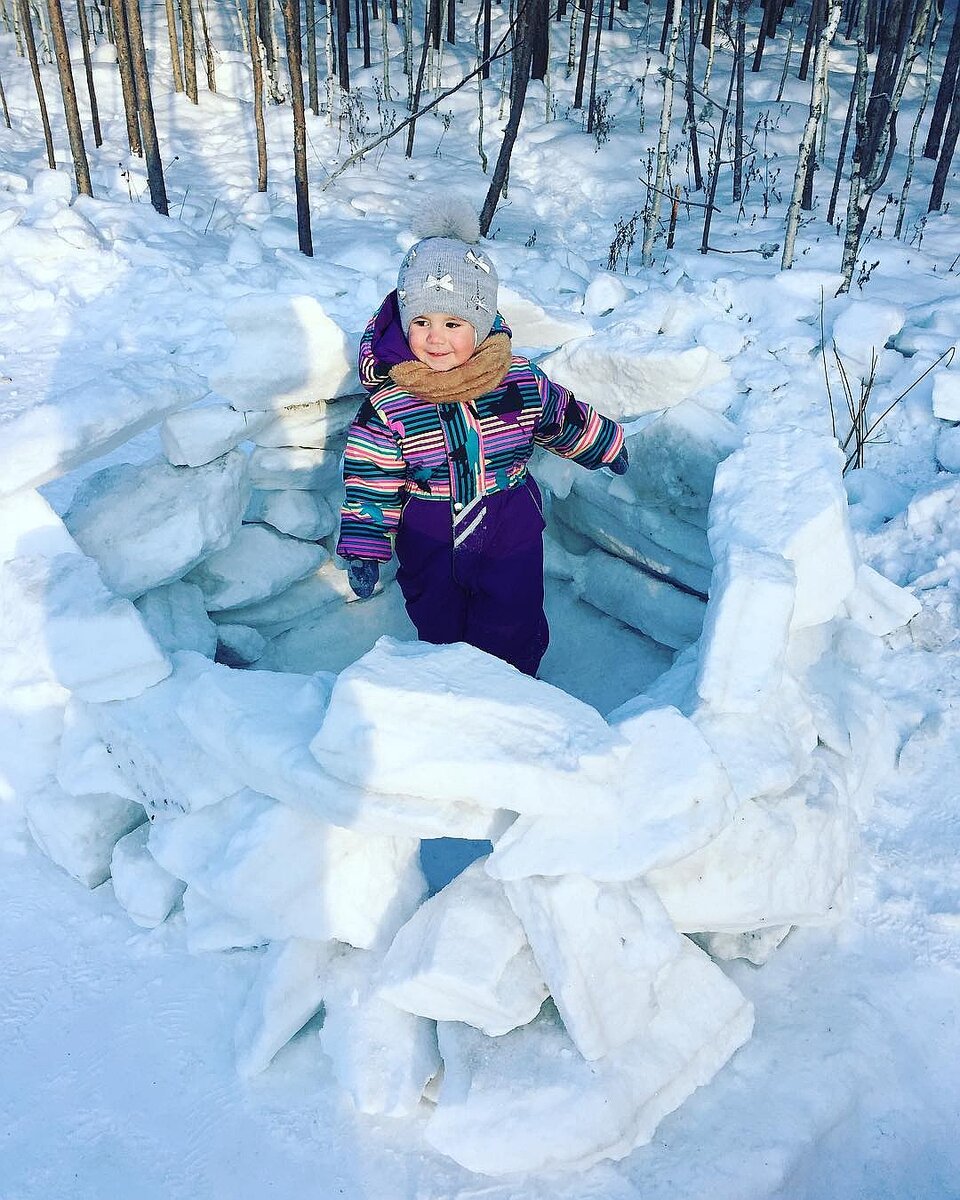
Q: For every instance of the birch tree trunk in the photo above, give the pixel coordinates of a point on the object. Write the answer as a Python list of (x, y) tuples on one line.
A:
[(740, 55), (292, 29), (818, 92), (584, 48), (127, 85), (948, 83), (26, 29), (313, 84), (256, 62), (651, 216), (3, 105), (915, 131), (189, 51), (58, 30), (148, 125), (691, 103), (88, 71), (174, 44), (207, 48), (857, 89)]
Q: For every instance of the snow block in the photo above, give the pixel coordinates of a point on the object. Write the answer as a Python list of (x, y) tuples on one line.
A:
[(798, 848), (746, 630), (286, 993), (239, 645), (210, 929), (85, 766), (144, 890), (177, 618), (148, 525), (762, 753), (196, 436), (634, 371), (258, 563), (946, 395), (326, 585), (286, 350), (301, 514), (879, 606), (157, 753), (258, 724), (646, 603), (287, 874), (601, 948), (463, 956), (315, 426), (295, 468), (484, 733), (59, 624), (864, 328), (571, 1113), (30, 528), (382, 1057), (671, 796), (783, 493), (79, 832)]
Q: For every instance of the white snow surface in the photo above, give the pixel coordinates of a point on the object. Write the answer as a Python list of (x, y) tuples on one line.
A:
[(184, 1009)]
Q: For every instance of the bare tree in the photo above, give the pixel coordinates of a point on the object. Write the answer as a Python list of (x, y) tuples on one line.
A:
[(584, 47), (207, 48), (148, 125), (651, 216), (739, 62), (88, 70), (68, 91), (313, 84), (3, 105), (947, 150), (936, 20), (26, 29), (292, 29), (256, 61), (691, 104), (948, 83), (189, 51), (343, 52), (174, 43), (127, 86)]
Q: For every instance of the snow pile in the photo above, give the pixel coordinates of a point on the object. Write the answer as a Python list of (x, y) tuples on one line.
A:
[(286, 810)]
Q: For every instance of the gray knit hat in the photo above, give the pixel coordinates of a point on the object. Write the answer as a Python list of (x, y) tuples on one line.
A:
[(446, 271)]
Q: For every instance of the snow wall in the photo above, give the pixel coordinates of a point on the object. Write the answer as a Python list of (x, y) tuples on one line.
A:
[(285, 811)]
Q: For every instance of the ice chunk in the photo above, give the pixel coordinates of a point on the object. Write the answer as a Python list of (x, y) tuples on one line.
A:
[(258, 563), (484, 734), (946, 395), (746, 630), (756, 945), (176, 616), (878, 605), (463, 956), (210, 929), (196, 436), (671, 796), (634, 371), (286, 350), (288, 874), (59, 623), (382, 1057), (148, 525), (52, 435), (572, 1113), (299, 513), (641, 600), (239, 645), (157, 753), (286, 993), (601, 948), (144, 890), (293, 467), (780, 861), (259, 725), (782, 492), (948, 447), (79, 832), (316, 425)]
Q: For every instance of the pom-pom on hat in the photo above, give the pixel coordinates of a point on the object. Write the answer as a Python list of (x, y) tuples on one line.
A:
[(447, 271)]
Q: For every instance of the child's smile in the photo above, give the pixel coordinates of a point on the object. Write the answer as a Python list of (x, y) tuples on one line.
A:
[(441, 341)]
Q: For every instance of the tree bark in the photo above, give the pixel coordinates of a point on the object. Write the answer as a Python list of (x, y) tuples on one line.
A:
[(651, 216), (313, 82), (148, 125), (3, 105), (88, 70), (921, 109), (946, 155), (592, 107), (737, 71), (127, 85), (174, 43), (256, 62), (207, 48), (584, 48), (343, 49), (522, 54), (189, 51), (948, 83), (292, 28), (26, 27), (68, 90), (691, 105)]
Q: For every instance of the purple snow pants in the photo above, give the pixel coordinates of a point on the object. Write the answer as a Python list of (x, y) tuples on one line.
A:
[(482, 585)]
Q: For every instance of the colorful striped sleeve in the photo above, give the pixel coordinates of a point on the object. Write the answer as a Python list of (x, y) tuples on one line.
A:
[(373, 374), (574, 430), (373, 477)]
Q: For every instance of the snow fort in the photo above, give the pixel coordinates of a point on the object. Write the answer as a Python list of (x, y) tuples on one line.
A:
[(457, 877)]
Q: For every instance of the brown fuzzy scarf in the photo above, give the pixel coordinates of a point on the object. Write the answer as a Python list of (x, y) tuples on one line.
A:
[(481, 373)]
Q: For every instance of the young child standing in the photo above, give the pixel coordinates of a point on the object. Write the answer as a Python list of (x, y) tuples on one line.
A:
[(436, 459)]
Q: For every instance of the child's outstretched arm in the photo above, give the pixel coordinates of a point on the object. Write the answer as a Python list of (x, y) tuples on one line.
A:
[(575, 430), (373, 475)]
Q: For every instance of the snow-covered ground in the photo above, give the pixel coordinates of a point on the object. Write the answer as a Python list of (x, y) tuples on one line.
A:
[(118, 1059)]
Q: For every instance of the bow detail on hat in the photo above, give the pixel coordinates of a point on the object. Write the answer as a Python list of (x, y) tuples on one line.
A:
[(477, 262), (444, 281)]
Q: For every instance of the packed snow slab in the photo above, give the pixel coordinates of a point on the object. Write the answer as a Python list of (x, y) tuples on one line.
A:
[(878, 605), (570, 1113), (671, 616), (46, 437), (326, 585), (533, 327), (144, 890), (463, 956), (257, 725), (783, 493), (257, 564), (300, 513), (671, 796), (196, 436), (176, 616), (482, 733), (781, 860), (286, 350), (29, 527), (295, 467), (60, 624), (632, 370), (289, 874), (147, 525), (80, 832), (314, 426), (382, 1057)]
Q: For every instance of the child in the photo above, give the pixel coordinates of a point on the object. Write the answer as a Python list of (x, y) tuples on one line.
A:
[(437, 457)]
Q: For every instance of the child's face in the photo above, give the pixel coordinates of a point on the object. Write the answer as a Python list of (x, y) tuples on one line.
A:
[(441, 340)]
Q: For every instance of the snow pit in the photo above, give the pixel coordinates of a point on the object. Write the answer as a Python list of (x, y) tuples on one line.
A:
[(295, 811)]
